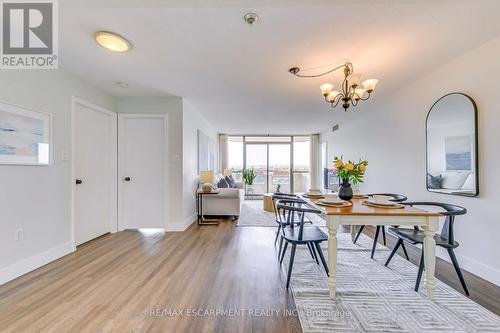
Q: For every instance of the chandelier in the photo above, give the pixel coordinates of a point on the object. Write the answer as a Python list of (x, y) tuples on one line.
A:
[(350, 93)]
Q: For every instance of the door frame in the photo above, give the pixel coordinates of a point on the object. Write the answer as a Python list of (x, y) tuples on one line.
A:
[(113, 223), (121, 117)]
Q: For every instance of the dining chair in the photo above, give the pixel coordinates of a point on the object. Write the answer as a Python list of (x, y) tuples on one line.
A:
[(277, 196), (445, 239), (399, 198), (294, 220), (310, 236)]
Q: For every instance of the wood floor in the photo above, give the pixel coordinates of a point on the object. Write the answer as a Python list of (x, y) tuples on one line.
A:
[(156, 282), (132, 282)]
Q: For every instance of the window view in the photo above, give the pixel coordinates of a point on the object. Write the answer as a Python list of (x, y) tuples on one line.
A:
[(235, 156), (301, 164), (256, 160), (279, 167), (270, 160)]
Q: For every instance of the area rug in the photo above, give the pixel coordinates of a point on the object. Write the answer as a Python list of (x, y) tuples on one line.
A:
[(253, 215), (375, 298)]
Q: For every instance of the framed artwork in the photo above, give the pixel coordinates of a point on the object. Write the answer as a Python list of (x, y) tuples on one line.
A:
[(206, 152), (25, 136), (458, 152)]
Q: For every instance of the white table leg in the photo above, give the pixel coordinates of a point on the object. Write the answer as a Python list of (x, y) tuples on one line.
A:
[(333, 226), (430, 255), (353, 232)]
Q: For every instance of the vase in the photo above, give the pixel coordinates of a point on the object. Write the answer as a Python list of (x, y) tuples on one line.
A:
[(345, 190)]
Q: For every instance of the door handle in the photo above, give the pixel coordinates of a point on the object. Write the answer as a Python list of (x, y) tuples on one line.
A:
[(127, 179), (78, 182)]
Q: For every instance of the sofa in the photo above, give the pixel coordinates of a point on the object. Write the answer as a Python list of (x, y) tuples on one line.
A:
[(452, 182), (227, 202)]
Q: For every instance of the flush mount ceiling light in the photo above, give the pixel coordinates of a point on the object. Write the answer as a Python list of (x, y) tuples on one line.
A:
[(112, 41), (121, 84), (350, 94)]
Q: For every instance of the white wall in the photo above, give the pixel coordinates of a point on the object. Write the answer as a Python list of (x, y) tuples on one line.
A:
[(389, 131), (173, 108), (192, 121), (37, 198)]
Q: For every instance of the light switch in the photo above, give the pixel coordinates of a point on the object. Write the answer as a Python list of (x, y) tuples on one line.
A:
[(66, 155)]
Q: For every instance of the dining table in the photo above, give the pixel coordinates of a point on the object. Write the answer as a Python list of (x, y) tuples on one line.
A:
[(361, 214)]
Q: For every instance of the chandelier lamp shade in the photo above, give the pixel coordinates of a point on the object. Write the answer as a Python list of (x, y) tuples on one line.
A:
[(350, 92)]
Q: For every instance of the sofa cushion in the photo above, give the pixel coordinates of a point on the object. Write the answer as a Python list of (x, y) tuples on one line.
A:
[(434, 182), (223, 183), (217, 177), (230, 181), (470, 182), (225, 193), (454, 180)]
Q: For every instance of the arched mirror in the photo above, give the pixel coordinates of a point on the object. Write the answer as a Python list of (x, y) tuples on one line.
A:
[(452, 162)]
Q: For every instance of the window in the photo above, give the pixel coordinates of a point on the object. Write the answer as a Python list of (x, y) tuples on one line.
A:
[(301, 163), (277, 160), (235, 156)]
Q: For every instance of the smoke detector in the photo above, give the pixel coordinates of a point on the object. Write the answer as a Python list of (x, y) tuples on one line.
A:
[(251, 18)]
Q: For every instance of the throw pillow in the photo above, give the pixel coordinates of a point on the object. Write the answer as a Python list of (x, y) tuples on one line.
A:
[(434, 182), (222, 183), (470, 183), (230, 181), (454, 180)]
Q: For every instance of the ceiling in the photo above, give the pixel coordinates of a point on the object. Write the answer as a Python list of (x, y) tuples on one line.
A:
[(236, 74)]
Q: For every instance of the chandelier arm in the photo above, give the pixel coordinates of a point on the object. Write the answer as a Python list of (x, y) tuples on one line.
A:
[(354, 102), (322, 74), (336, 100), (364, 99)]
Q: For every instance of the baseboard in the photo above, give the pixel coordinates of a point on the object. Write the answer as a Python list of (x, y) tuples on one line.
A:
[(484, 271), (472, 266), (29, 264), (181, 226)]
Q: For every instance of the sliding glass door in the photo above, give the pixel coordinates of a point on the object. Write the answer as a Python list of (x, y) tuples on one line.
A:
[(276, 161), (279, 167), (256, 161)]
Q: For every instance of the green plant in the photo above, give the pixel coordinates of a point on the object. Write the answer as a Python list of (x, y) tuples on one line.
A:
[(350, 171), (249, 176)]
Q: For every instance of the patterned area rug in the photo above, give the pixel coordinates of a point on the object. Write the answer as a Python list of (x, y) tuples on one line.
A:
[(375, 298), (254, 215)]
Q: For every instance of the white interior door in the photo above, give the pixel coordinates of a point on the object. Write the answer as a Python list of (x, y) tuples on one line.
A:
[(142, 171), (94, 171)]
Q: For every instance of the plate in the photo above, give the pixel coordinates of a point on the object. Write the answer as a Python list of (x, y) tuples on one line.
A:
[(376, 205), (336, 202), (387, 203), (313, 195), (342, 205)]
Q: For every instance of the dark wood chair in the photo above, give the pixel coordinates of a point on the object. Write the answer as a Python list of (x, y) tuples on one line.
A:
[(399, 198), (283, 196), (310, 236), (446, 239)]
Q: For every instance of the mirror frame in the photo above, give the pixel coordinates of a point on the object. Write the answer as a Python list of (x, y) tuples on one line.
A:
[(476, 145)]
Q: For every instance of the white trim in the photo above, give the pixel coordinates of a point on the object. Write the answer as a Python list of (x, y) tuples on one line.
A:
[(113, 223), (27, 265), (163, 116), (182, 226), (480, 269)]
